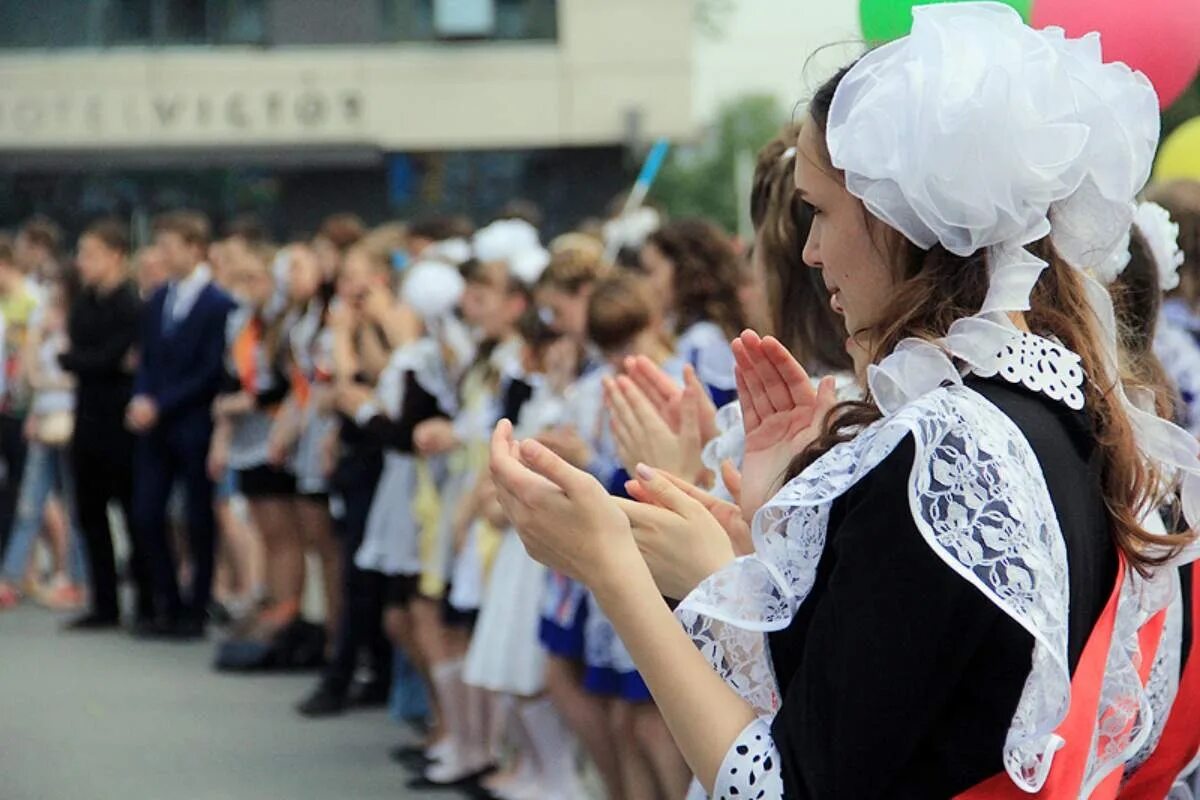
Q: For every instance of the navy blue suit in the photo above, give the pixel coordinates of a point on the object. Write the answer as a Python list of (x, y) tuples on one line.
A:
[(181, 368)]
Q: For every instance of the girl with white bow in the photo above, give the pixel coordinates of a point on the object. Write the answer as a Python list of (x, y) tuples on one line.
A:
[(947, 596)]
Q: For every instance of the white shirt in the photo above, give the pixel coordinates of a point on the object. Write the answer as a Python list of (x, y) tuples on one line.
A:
[(181, 295)]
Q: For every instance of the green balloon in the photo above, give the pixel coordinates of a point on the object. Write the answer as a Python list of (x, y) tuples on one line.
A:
[(884, 20)]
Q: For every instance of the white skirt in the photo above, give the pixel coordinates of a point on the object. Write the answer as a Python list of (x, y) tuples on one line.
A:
[(505, 654), (390, 541), (466, 578)]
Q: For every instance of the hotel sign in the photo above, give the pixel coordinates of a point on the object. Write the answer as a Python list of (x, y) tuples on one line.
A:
[(233, 115)]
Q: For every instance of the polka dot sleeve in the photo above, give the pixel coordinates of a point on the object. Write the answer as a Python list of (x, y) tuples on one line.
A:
[(750, 770)]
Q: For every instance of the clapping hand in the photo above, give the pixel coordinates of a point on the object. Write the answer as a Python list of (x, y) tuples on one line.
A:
[(781, 410)]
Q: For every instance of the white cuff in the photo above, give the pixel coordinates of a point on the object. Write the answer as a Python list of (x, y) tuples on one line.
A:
[(751, 768)]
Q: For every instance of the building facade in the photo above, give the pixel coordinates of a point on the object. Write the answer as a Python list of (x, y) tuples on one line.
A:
[(296, 108)]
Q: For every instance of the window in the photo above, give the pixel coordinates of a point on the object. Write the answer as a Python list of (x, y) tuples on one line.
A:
[(103, 23), (469, 20)]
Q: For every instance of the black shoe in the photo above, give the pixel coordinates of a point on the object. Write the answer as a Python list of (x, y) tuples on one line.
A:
[(188, 630), (152, 628), (411, 757), (465, 782), (93, 622), (372, 694), (324, 702)]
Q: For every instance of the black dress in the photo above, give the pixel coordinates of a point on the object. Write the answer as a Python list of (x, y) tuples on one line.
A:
[(900, 679)]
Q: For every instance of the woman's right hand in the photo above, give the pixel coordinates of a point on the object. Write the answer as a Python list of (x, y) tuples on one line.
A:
[(781, 410)]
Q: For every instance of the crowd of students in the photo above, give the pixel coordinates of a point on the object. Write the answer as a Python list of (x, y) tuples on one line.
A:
[(254, 411)]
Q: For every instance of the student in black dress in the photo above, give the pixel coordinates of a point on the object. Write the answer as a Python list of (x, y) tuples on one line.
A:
[(943, 577)]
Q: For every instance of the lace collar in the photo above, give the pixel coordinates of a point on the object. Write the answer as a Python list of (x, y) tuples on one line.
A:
[(1040, 365)]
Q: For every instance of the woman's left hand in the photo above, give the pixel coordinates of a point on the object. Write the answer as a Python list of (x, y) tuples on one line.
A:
[(642, 435), (565, 518), (680, 539)]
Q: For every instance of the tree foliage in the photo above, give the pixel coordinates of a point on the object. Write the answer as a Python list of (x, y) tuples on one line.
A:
[(698, 180)]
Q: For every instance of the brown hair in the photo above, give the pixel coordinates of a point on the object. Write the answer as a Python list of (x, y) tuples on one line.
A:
[(342, 230), (572, 269), (800, 312), (938, 288), (111, 232), (440, 228), (492, 273), (1137, 300), (191, 226), (1181, 198), (7, 251), (706, 273), (621, 307), (249, 228), (43, 232)]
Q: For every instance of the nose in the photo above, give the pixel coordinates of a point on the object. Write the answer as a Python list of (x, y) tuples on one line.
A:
[(811, 254)]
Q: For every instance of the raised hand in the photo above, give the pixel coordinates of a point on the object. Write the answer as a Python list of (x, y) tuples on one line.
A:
[(565, 518), (666, 396), (642, 435), (679, 538), (781, 410)]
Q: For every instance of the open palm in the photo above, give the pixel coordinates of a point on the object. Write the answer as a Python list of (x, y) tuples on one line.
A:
[(781, 410)]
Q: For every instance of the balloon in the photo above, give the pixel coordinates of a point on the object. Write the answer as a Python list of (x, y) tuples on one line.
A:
[(1159, 37), (884, 20), (1179, 156)]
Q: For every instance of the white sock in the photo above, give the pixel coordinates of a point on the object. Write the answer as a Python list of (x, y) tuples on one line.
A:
[(554, 748)]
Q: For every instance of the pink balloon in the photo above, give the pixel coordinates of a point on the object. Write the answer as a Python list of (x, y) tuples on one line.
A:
[(1159, 37)]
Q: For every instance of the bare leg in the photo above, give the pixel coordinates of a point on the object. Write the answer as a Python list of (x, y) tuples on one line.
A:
[(636, 771), (285, 559), (429, 642), (654, 739), (54, 525), (585, 714), (315, 522)]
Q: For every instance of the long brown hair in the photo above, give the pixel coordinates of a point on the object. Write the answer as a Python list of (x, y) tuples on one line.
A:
[(937, 288), (1137, 300), (800, 312), (706, 274), (1181, 198)]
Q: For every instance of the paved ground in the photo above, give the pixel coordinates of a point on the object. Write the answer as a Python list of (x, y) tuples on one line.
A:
[(101, 717)]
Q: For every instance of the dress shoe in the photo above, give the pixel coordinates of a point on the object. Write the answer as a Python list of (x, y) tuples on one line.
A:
[(92, 622), (324, 702), (372, 694)]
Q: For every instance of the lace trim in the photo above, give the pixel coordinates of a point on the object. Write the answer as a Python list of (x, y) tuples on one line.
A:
[(979, 498), (751, 767), (1040, 365)]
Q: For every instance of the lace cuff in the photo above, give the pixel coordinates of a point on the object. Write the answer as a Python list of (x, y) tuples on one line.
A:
[(751, 768)]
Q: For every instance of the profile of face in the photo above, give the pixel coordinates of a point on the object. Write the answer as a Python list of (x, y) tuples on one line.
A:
[(28, 254), (304, 274), (179, 257), (660, 274), (357, 277), (752, 291), (250, 280), (842, 244), (489, 307), (328, 257), (97, 262), (151, 270), (569, 311)]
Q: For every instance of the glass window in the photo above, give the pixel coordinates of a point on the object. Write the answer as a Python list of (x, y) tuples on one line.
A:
[(521, 20), (46, 23), (98, 23)]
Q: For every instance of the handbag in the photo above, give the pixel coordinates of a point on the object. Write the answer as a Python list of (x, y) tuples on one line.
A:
[(55, 429)]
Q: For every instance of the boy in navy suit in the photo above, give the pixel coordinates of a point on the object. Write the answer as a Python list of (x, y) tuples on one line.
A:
[(182, 350)]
